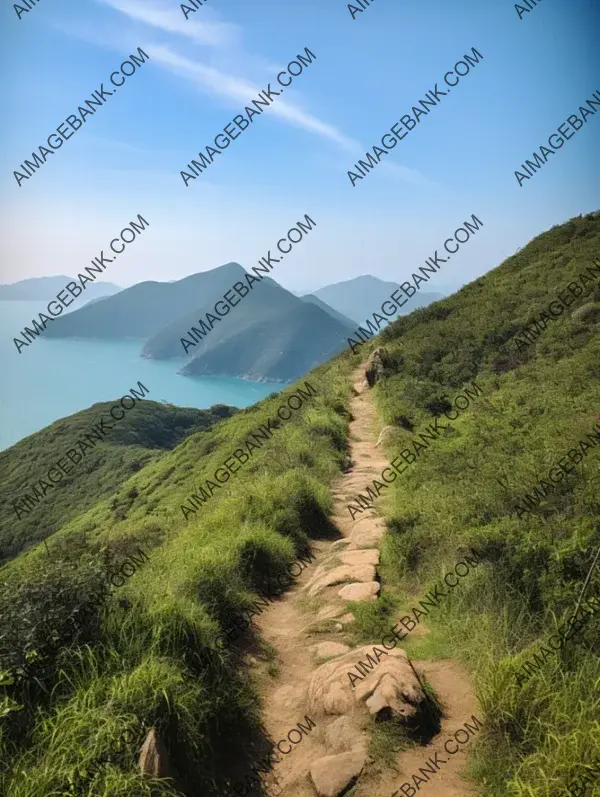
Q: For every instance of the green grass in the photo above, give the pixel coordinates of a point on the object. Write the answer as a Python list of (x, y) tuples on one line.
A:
[(150, 657), (142, 436), (154, 662), (536, 405)]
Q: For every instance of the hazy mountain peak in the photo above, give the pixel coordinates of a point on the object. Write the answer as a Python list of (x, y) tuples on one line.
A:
[(359, 297)]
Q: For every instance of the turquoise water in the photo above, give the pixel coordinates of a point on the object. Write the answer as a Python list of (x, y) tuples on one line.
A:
[(51, 379)]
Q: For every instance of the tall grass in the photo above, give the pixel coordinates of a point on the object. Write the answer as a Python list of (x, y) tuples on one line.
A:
[(150, 657)]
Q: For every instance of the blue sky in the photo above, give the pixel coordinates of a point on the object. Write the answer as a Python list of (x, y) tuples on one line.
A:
[(368, 72)]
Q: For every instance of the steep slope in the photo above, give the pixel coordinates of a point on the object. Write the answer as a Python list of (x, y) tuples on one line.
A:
[(145, 308), (515, 476), (46, 288), (142, 436), (281, 348), (354, 298), (312, 299), (196, 577)]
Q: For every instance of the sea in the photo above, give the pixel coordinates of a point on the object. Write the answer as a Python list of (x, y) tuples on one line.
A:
[(51, 378)]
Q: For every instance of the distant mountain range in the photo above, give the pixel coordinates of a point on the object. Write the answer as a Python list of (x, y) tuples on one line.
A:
[(269, 335), (358, 298), (44, 289)]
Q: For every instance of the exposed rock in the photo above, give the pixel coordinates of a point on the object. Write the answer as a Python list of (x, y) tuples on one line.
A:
[(387, 695), (348, 619), (384, 435), (340, 575), (333, 774), (367, 538), (389, 683), (376, 365), (368, 556), (327, 650), (360, 592), (153, 759)]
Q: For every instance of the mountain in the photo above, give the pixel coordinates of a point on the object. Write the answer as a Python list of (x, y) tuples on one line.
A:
[(140, 438), (271, 335), (255, 340), (358, 298), (143, 309), (281, 347), (265, 299), (45, 288), (312, 299)]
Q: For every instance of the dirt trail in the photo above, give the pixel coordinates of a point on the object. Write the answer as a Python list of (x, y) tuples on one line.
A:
[(313, 613)]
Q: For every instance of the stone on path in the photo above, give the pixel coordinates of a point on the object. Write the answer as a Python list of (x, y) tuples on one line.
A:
[(325, 626), (368, 538), (360, 592), (367, 556), (334, 773), (389, 683), (340, 575), (340, 544)]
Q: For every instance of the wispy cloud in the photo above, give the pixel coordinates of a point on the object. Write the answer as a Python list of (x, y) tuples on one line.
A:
[(170, 20), (242, 91), (224, 41), (220, 36)]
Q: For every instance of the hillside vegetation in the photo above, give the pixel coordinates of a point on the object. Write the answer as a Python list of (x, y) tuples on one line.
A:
[(142, 436), (539, 400), (155, 662), (148, 656)]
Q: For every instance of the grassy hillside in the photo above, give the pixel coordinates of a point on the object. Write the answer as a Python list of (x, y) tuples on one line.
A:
[(155, 662), (142, 436), (538, 401), (148, 656)]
